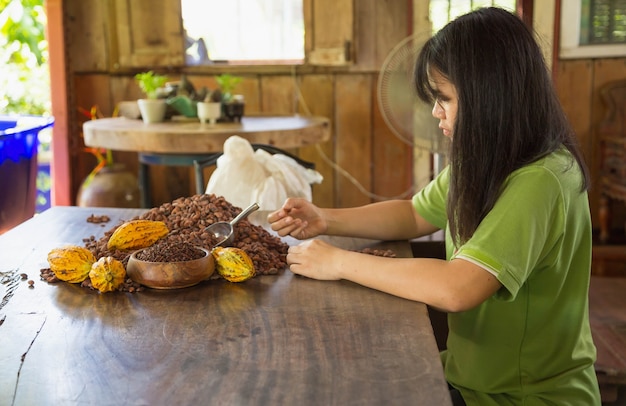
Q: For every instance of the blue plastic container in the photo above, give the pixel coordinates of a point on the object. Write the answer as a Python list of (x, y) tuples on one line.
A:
[(18, 167)]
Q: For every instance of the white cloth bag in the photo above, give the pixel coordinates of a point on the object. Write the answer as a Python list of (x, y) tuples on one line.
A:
[(244, 176)]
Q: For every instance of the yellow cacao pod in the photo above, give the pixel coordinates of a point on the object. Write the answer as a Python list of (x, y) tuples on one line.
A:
[(71, 263), (233, 264), (107, 274), (136, 234)]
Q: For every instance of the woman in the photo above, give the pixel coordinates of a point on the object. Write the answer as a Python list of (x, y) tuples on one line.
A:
[(514, 206)]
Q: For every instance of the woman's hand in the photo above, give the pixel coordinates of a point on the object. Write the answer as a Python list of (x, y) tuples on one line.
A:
[(298, 218), (315, 259)]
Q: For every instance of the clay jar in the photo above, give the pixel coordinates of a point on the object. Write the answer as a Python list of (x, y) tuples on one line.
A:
[(112, 186)]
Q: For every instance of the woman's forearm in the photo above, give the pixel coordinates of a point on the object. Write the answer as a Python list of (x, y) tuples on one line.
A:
[(389, 220)]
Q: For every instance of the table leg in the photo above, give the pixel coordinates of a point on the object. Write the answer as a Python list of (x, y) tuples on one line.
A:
[(199, 175), (144, 185)]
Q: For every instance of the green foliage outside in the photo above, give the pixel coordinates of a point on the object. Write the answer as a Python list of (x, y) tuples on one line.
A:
[(25, 80), (24, 74)]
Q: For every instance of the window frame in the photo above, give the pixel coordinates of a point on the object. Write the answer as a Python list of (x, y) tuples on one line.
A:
[(569, 44), (326, 46)]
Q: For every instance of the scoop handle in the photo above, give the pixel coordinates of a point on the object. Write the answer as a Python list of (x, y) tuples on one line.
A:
[(245, 213)]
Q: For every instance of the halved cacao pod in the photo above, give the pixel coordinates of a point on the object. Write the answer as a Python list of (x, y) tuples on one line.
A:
[(233, 264)]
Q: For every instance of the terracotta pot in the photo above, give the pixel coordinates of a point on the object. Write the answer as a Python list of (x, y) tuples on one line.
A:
[(113, 186)]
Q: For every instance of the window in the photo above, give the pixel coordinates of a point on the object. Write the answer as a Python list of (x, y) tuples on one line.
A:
[(243, 31), (593, 28), (603, 22), (443, 11)]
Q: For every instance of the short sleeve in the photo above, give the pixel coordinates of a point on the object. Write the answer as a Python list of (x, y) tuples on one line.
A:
[(430, 202), (521, 229)]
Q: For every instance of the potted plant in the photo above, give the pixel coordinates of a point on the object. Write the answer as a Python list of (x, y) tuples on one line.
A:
[(232, 104), (227, 84), (152, 108)]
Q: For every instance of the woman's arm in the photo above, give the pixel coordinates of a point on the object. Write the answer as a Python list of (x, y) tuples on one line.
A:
[(390, 220), (452, 286)]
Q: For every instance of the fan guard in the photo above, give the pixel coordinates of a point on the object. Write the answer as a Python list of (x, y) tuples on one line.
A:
[(408, 117)]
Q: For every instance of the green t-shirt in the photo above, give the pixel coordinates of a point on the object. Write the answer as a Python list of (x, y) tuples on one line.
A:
[(530, 343)]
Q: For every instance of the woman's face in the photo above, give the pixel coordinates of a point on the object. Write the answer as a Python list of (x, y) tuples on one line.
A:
[(446, 104)]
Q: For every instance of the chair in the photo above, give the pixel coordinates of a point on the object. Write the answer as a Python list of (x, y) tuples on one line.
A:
[(612, 136), (199, 165)]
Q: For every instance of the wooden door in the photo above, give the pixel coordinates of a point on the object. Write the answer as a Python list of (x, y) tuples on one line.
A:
[(147, 34)]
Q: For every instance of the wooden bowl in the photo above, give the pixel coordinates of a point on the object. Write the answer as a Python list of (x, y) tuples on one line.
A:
[(170, 275)]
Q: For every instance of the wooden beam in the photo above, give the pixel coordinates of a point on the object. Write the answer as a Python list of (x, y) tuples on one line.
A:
[(60, 165), (525, 11)]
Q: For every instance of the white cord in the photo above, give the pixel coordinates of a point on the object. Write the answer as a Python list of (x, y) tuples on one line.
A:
[(334, 165)]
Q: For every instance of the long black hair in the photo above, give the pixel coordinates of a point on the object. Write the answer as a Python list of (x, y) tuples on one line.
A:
[(508, 112)]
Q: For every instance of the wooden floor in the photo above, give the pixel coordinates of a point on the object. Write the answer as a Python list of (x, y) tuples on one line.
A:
[(606, 315), (609, 260)]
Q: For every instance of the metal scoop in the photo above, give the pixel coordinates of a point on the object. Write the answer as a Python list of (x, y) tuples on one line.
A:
[(224, 231)]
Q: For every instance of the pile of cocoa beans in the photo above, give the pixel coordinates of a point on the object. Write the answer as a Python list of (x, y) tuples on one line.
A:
[(187, 218)]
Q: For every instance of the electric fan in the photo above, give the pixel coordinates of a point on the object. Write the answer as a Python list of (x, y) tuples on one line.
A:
[(408, 117)]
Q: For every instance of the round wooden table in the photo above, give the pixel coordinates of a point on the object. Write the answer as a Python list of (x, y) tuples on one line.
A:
[(187, 142), (189, 136)]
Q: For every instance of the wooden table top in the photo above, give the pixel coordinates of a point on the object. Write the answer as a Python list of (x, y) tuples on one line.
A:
[(190, 136), (275, 340)]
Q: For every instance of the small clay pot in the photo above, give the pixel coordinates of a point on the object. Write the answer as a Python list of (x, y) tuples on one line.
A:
[(152, 110)]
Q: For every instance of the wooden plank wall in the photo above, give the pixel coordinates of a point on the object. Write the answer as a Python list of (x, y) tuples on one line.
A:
[(361, 145), (578, 82)]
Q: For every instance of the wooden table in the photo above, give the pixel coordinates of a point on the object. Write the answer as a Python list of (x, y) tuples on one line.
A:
[(607, 312), (181, 142), (272, 340)]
